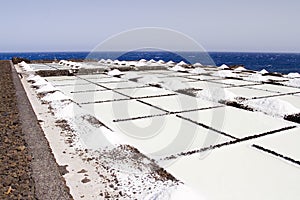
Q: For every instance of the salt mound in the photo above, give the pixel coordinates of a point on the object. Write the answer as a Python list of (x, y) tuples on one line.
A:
[(116, 62), (25, 66), (115, 72), (263, 71), (293, 75), (109, 61), (39, 82), (56, 96), (152, 61), (272, 106), (197, 65), (101, 61), (223, 67), (142, 60), (46, 88), (239, 69), (216, 94), (178, 68), (182, 63), (170, 63), (161, 62)]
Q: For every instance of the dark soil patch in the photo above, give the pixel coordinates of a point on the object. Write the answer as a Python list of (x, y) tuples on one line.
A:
[(237, 105), (293, 118), (190, 91)]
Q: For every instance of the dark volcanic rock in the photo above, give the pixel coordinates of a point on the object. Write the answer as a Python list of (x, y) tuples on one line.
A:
[(17, 60)]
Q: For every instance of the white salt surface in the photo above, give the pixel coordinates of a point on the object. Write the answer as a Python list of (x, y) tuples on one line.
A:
[(95, 76), (105, 80), (198, 70), (60, 78), (275, 88), (285, 143), (174, 84), (294, 100), (159, 137), (236, 122), (276, 78), (177, 78), (248, 93), (294, 83), (256, 78), (94, 96), (205, 85), (145, 92), (238, 172), (203, 77), (69, 82), (225, 73), (121, 85), (109, 111), (149, 79), (235, 82), (179, 102), (69, 89)]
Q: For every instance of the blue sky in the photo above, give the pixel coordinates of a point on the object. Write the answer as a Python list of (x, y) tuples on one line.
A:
[(218, 25)]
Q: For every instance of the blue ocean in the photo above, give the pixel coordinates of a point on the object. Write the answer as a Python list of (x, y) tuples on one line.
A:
[(273, 62)]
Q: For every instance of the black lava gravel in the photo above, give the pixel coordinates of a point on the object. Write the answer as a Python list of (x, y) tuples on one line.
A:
[(15, 172)]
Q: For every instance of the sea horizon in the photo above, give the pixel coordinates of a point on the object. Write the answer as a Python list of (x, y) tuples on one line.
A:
[(271, 61)]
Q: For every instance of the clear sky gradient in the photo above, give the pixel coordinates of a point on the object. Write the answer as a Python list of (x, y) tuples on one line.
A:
[(218, 25)]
